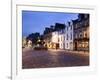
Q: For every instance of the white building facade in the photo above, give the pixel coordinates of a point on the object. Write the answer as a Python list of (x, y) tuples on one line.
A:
[(62, 39), (69, 36), (54, 40), (55, 36)]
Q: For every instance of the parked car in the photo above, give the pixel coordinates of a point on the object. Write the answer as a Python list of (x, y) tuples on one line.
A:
[(40, 47)]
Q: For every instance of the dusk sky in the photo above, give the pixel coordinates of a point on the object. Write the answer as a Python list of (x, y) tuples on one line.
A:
[(33, 21)]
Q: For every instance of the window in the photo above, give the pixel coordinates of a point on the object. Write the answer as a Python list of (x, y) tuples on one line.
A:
[(80, 35), (70, 44), (64, 37), (61, 38), (58, 40), (76, 36), (70, 36), (61, 45), (71, 27), (67, 45), (85, 34), (76, 26), (67, 37), (67, 28)]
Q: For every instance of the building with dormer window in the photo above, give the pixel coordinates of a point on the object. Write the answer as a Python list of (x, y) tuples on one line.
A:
[(81, 32)]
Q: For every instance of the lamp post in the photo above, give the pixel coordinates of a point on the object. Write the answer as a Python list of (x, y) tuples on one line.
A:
[(38, 41)]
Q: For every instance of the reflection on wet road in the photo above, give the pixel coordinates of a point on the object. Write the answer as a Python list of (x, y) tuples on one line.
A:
[(46, 59)]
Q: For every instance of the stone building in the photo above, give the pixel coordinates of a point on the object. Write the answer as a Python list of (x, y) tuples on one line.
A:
[(81, 32)]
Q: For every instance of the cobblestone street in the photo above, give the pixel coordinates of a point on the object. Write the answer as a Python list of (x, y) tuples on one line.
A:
[(53, 58)]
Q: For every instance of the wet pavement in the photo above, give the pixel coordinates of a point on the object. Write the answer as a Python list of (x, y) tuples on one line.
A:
[(52, 58)]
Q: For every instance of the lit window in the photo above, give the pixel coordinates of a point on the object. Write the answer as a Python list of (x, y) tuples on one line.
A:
[(85, 34)]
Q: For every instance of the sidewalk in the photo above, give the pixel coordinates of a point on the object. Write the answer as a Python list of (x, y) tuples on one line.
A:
[(86, 53), (72, 52)]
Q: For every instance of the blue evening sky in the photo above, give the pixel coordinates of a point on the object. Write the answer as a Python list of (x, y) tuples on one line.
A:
[(33, 21)]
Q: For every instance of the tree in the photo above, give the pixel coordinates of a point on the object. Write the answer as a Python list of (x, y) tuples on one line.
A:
[(34, 37)]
